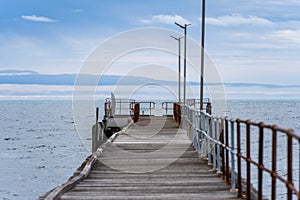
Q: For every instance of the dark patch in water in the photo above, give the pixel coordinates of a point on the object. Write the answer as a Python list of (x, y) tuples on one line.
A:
[(11, 149), (12, 139)]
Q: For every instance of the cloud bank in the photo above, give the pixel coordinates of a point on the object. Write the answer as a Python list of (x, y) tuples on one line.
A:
[(37, 18), (237, 20), (166, 19)]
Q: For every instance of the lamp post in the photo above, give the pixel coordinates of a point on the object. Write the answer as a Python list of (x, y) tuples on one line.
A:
[(179, 65), (184, 70), (202, 54)]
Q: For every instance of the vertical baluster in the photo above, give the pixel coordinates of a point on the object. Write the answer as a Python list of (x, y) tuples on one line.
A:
[(260, 160), (274, 161), (210, 123), (214, 144), (227, 152), (239, 180), (218, 134), (289, 164), (248, 164), (233, 182)]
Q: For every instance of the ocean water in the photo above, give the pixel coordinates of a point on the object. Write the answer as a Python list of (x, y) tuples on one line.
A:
[(40, 147)]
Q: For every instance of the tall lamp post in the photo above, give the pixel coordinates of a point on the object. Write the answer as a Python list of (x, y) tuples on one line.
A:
[(184, 70), (179, 65), (202, 54)]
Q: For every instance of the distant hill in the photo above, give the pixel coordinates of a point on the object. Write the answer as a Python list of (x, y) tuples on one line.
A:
[(31, 77)]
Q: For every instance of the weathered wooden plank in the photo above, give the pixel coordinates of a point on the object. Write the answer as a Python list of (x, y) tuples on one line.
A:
[(210, 196), (177, 172), (58, 191), (149, 184)]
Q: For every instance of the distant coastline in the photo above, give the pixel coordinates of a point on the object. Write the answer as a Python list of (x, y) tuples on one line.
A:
[(28, 77), (27, 84)]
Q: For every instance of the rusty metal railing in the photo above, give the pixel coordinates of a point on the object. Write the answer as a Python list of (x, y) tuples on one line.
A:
[(136, 112), (177, 113), (226, 143), (288, 181)]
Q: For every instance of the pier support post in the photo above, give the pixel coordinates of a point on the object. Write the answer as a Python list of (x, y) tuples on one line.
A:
[(97, 133)]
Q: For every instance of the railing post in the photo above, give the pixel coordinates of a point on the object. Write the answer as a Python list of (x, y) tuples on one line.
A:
[(248, 164), (95, 133), (218, 135), (136, 112), (274, 161), (214, 145), (227, 151), (209, 133), (197, 127), (208, 108), (239, 174), (260, 160), (204, 121), (233, 181), (289, 165)]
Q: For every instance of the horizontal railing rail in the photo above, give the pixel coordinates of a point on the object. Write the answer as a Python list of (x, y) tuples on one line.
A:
[(225, 143)]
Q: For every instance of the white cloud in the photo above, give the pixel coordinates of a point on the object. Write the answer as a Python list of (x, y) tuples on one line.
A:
[(166, 19), (37, 18), (146, 21), (278, 3), (237, 20), (288, 36)]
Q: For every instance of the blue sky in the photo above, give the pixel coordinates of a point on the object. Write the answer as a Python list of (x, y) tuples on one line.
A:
[(250, 41)]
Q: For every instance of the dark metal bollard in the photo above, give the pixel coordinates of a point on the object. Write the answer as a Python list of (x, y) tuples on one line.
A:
[(208, 108)]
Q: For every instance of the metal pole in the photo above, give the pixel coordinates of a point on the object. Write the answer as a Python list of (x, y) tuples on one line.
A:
[(202, 54), (179, 66), (184, 70), (179, 69)]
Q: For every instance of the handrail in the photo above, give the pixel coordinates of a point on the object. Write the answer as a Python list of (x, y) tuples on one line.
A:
[(194, 102), (166, 106), (146, 106), (221, 140), (118, 107)]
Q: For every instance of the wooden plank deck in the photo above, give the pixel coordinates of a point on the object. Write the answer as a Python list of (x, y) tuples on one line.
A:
[(153, 160)]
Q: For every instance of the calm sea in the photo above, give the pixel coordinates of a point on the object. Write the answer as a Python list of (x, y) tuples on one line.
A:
[(40, 147)]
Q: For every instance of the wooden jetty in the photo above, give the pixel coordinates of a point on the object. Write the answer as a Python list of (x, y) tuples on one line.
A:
[(187, 155), (163, 176)]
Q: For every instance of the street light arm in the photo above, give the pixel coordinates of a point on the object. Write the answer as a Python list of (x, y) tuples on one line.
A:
[(178, 39), (174, 37), (179, 25), (184, 27)]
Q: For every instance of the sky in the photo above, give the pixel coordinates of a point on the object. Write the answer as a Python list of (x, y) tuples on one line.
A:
[(249, 41)]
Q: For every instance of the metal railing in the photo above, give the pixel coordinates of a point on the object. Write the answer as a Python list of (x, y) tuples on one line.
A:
[(226, 143), (146, 107), (114, 107), (196, 102), (167, 106)]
